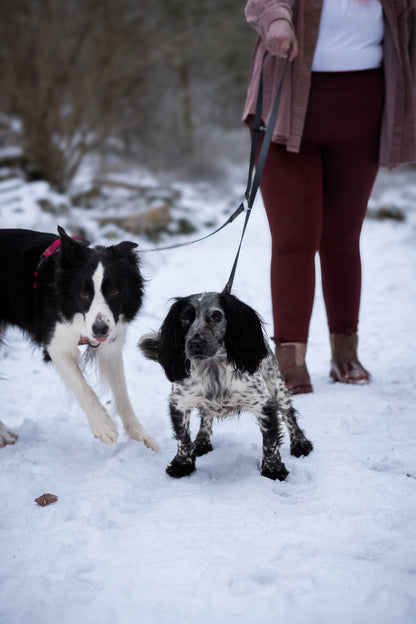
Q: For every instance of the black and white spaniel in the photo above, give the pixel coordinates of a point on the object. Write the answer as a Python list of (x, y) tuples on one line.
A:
[(213, 350)]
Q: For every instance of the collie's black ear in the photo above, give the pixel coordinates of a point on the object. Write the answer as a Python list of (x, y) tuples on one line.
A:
[(244, 338), (125, 251), (171, 347), (71, 248), (124, 247), (63, 235)]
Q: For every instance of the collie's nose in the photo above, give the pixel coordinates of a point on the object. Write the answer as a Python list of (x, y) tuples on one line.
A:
[(100, 329)]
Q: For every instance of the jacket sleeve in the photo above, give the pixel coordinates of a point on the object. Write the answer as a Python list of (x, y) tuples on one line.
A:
[(261, 13)]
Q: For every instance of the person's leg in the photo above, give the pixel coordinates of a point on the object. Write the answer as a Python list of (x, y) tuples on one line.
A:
[(350, 168), (291, 188)]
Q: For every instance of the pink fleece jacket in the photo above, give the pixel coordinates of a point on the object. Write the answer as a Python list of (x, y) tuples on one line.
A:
[(398, 134)]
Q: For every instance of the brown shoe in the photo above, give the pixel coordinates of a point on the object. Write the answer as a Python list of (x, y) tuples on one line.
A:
[(291, 358), (345, 366)]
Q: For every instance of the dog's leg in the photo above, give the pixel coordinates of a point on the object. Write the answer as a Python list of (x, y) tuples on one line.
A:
[(101, 424), (203, 439), (110, 362), (6, 435), (183, 464), (65, 357), (299, 444), (272, 465)]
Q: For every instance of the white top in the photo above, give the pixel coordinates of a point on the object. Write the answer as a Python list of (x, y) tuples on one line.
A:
[(350, 36)]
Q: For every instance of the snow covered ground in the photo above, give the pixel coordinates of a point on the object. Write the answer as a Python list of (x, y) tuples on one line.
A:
[(125, 543)]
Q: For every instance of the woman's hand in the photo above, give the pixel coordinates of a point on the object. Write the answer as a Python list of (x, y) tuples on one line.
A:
[(281, 38)]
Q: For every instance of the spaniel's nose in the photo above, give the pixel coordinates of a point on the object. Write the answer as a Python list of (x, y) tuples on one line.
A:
[(197, 346)]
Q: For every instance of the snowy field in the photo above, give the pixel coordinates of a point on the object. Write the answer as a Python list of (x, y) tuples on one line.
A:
[(126, 544)]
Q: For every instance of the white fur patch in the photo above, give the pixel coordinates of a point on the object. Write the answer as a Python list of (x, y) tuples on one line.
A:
[(99, 309)]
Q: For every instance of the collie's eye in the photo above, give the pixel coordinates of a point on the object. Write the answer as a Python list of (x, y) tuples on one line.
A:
[(216, 316), (114, 292), (84, 296)]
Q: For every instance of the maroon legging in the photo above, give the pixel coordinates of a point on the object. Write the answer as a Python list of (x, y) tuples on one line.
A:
[(316, 202)]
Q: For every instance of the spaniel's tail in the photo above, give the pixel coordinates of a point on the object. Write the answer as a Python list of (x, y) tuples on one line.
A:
[(149, 346)]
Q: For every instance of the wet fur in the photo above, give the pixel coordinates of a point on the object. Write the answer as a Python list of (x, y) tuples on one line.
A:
[(213, 350)]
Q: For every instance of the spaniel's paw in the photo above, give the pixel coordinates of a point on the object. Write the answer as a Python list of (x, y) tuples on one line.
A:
[(301, 447), (202, 446), (181, 467), (274, 469)]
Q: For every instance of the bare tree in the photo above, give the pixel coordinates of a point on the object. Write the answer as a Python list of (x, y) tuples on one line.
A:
[(156, 74), (66, 66)]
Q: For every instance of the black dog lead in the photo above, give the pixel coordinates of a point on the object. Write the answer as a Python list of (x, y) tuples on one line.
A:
[(253, 184)]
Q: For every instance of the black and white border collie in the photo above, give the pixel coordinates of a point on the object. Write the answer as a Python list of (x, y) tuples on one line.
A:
[(63, 293), (213, 349)]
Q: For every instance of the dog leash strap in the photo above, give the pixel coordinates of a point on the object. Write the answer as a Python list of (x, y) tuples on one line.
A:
[(256, 130), (229, 284), (230, 219), (253, 184)]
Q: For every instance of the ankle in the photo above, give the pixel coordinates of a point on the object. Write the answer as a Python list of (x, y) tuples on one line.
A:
[(291, 359), (344, 347), (292, 353), (345, 365)]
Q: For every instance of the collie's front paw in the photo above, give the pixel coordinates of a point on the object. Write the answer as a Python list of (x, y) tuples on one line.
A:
[(135, 431), (150, 442), (104, 429)]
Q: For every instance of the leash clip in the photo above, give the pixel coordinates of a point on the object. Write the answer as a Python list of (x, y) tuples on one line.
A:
[(245, 204)]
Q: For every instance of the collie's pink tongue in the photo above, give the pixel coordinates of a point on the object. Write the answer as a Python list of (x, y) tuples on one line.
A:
[(83, 341)]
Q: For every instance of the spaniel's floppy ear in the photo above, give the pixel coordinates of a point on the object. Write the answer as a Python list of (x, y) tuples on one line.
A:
[(244, 338), (171, 347)]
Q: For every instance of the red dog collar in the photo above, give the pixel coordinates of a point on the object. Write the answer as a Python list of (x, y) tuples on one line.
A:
[(48, 252)]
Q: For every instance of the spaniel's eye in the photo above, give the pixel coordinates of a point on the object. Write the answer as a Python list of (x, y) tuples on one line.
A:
[(84, 296), (216, 316), (114, 292), (186, 320), (187, 316)]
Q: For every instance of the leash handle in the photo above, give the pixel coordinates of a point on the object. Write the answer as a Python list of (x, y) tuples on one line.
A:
[(253, 184)]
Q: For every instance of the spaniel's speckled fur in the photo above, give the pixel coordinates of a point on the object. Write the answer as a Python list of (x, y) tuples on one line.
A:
[(212, 347)]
